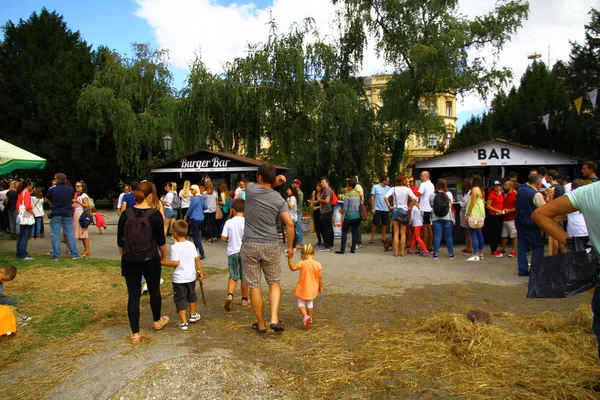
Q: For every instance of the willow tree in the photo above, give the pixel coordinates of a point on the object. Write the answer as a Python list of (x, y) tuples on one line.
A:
[(432, 49), (130, 105), (286, 92)]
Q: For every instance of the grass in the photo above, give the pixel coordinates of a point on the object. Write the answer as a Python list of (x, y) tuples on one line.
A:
[(65, 299)]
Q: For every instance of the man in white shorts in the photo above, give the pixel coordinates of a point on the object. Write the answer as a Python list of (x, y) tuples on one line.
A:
[(508, 225)]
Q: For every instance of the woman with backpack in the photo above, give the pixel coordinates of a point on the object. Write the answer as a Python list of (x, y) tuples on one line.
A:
[(401, 196), (210, 221), (139, 234), (442, 217), (167, 200)]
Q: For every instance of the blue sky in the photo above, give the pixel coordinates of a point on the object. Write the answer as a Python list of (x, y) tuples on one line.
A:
[(220, 29)]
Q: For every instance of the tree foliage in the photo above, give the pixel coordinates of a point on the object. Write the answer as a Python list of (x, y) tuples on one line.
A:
[(430, 46), (43, 66), (129, 107), (517, 115)]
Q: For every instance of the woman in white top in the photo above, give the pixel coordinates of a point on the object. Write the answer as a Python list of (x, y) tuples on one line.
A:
[(576, 226), (186, 197), (167, 200), (401, 197), (37, 202), (80, 203), (466, 189), (210, 221)]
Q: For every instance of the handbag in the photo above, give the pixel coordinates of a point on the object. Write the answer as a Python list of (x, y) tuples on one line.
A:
[(25, 217), (363, 212), (219, 214), (85, 219), (564, 275), (475, 221), (404, 219)]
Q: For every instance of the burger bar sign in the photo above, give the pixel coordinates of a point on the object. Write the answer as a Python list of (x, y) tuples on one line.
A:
[(214, 163)]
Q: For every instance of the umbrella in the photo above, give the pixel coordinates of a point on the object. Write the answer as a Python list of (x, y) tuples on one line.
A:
[(13, 157)]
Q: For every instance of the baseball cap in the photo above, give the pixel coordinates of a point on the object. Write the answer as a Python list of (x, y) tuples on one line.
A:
[(497, 183), (298, 182)]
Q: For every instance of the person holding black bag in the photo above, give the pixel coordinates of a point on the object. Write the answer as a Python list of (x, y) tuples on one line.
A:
[(585, 199), (400, 194), (350, 216), (442, 217)]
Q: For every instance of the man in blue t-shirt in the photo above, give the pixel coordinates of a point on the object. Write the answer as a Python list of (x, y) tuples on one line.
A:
[(60, 198), (381, 212)]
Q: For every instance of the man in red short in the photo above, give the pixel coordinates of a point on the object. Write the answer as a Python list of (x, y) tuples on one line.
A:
[(508, 225)]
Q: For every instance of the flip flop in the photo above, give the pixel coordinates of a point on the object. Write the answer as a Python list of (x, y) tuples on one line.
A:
[(255, 327), (278, 327), (135, 338)]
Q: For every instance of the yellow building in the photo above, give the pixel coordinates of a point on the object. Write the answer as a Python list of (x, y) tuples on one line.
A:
[(418, 149)]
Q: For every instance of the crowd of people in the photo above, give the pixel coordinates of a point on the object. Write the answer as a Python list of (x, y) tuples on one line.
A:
[(505, 213)]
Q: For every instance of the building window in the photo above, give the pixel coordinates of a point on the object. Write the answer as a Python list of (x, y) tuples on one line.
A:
[(432, 141), (448, 108)]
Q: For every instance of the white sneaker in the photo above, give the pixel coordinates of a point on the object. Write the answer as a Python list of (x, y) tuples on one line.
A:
[(162, 281), (473, 258), (194, 318), (183, 326)]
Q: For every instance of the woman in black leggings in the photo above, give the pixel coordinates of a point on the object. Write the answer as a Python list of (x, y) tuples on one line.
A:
[(141, 257), (317, 213)]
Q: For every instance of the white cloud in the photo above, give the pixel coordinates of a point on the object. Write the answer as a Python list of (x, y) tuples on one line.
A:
[(222, 32)]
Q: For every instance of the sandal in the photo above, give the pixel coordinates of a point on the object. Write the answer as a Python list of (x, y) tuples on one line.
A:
[(135, 338), (158, 325), (255, 327), (277, 327)]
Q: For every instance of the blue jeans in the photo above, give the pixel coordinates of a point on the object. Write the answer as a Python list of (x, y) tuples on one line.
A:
[(12, 220), (529, 237), (196, 227), (24, 234), (298, 225), (442, 226), (66, 223), (346, 225), (37, 230), (477, 239)]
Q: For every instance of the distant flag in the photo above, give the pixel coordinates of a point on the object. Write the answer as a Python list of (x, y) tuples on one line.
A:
[(546, 119), (593, 95), (578, 102)]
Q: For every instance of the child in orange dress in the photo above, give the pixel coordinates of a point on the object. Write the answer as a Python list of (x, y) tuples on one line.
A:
[(310, 282), (100, 222)]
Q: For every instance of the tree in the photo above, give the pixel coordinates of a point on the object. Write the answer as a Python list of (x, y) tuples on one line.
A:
[(43, 66), (429, 44), (129, 106)]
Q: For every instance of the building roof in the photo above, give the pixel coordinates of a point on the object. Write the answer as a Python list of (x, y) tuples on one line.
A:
[(497, 152)]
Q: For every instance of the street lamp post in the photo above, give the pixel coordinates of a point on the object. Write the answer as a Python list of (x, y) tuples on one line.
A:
[(167, 143)]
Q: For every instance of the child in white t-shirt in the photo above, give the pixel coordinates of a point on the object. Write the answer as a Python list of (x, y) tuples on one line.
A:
[(233, 231), (185, 260), (416, 220)]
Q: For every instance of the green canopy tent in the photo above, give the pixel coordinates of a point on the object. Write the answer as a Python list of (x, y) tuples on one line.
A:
[(13, 157)]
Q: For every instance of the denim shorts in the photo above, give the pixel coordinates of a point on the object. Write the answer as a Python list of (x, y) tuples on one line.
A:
[(170, 213)]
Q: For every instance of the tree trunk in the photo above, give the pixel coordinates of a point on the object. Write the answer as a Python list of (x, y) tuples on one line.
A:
[(396, 159)]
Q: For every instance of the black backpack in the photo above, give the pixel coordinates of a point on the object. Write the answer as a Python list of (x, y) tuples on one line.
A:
[(441, 204), (139, 242)]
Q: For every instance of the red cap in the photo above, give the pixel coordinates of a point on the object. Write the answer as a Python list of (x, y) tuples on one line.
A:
[(298, 182)]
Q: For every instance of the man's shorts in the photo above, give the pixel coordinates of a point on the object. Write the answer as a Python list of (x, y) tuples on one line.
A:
[(383, 216), (426, 218), (508, 229), (257, 257), (234, 264)]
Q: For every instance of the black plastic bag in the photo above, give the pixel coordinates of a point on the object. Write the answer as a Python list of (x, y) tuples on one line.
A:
[(564, 275)]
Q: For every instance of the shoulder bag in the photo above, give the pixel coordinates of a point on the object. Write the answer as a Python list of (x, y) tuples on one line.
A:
[(25, 217)]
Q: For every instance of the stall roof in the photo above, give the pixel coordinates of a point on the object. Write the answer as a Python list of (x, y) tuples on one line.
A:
[(13, 157), (210, 161), (497, 152)]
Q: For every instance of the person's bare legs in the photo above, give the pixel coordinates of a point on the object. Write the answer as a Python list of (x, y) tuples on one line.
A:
[(396, 238), (373, 230), (402, 239), (515, 245), (383, 232), (274, 297), (468, 241), (303, 310), (86, 246), (182, 315), (244, 290), (231, 285), (257, 307), (428, 235), (192, 308), (503, 243)]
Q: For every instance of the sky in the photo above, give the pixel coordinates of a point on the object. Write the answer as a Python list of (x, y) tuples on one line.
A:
[(221, 29)]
